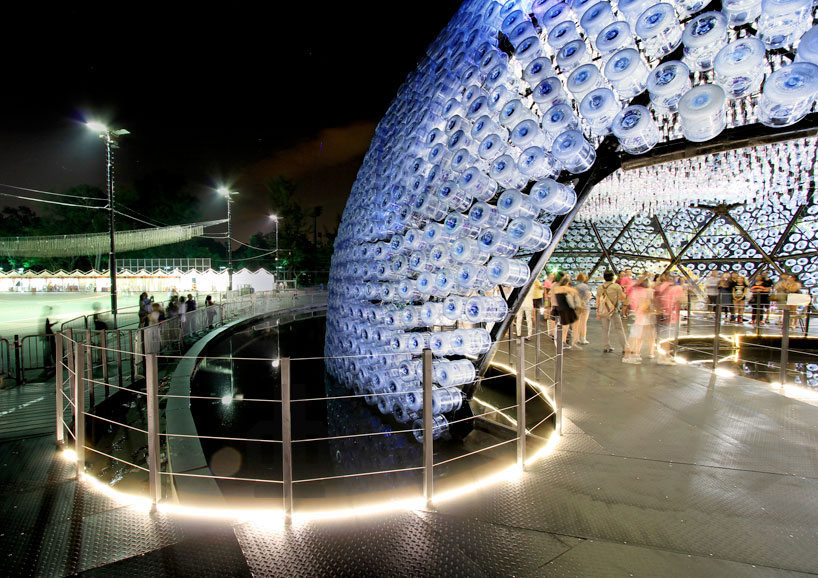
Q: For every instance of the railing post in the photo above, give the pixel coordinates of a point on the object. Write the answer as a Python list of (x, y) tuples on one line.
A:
[(103, 343), (286, 441), (558, 376), (521, 450), (79, 406), (428, 431), (806, 320), (689, 311), (152, 389), (537, 344), (89, 362), (758, 314), (785, 344), (58, 382), (676, 333), (119, 355), (716, 333), (18, 361), (510, 342), (134, 349)]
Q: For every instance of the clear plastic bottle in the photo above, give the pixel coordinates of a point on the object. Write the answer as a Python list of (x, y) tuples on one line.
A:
[(496, 242), (596, 18), (512, 203), (466, 250), (667, 83), (573, 151), (454, 197), (508, 272), (627, 72), (549, 93), (538, 70), (447, 399), (789, 94), (701, 111), (783, 21), (477, 184), (553, 197), (527, 133), (659, 29), (558, 119), (740, 12), (529, 234), (636, 130), (454, 307), (486, 309), (740, 67), (808, 46), (470, 341), (562, 34), (491, 147), (483, 127), (504, 171), (535, 163), (572, 55), (631, 9), (598, 108), (703, 37), (514, 112), (584, 79), (439, 429)]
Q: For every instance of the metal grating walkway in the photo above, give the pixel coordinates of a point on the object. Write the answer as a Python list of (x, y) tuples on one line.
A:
[(663, 471)]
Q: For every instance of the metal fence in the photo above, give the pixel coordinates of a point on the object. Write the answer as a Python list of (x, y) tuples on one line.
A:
[(75, 381)]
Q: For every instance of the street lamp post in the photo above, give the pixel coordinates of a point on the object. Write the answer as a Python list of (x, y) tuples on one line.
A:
[(111, 137), (274, 218), (227, 194)]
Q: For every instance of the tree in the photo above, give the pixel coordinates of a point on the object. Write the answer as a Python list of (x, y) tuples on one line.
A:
[(316, 212)]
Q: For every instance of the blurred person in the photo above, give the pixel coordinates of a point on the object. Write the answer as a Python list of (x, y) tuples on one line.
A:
[(50, 339), (538, 291), (564, 297), (740, 294), (726, 285), (144, 308), (786, 285), (99, 324), (669, 294), (642, 329), (210, 310), (191, 303), (157, 315), (583, 309), (609, 298), (172, 309), (625, 281), (548, 304), (761, 289), (526, 308), (711, 288)]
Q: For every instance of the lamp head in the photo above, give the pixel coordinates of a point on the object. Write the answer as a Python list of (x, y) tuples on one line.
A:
[(97, 127)]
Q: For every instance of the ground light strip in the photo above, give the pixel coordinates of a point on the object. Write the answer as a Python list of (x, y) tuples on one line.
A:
[(268, 516)]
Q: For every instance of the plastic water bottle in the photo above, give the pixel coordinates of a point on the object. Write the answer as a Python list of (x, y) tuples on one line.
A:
[(508, 272), (740, 12), (573, 151), (425, 284), (410, 370), (453, 307), (562, 34), (631, 9), (433, 234), (514, 112), (419, 262), (687, 7), (598, 108), (558, 119), (584, 79), (535, 163), (701, 111), (527, 50), (454, 197), (667, 83), (444, 282), (573, 54), (472, 277), (783, 21), (659, 29), (740, 66), (483, 127), (613, 38), (491, 147), (447, 399), (432, 314), (439, 256), (703, 37), (484, 215), (441, 343), (559, 12), (789, 94), (458, 225), (499, 97), (467, 250), (527, 133), (512, 203), (537, 70), (470, 341), (596, 18), (636, 130), (504, 171), (440, 428), (808, 46), (477, 184), (486, 309), (464, 159), (581, 6), (553, 197), (548, 93), (529, 234), (628, 73), (496, 242)]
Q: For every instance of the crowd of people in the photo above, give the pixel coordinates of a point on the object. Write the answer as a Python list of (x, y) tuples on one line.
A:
[(638, 313), (152, 312)]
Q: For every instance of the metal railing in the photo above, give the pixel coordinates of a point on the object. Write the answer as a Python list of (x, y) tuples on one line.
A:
[(776, 329), (75, 381)]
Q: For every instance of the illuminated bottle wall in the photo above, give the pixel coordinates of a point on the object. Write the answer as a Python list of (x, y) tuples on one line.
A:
[(474, 158)]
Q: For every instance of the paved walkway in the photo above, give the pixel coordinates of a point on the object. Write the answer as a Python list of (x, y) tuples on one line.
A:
[(662, 471)]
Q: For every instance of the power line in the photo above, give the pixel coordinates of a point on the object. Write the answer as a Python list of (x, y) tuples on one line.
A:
[(51, 202), (251, 246), (50, 193), (136, 219)]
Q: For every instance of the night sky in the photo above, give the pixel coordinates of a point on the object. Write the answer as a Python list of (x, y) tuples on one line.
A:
[(231, 95)]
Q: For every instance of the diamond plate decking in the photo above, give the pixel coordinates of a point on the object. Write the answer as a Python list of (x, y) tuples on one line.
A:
[(662, 471)]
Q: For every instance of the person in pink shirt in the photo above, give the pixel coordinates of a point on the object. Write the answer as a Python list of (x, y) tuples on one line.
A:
[(626, 282)]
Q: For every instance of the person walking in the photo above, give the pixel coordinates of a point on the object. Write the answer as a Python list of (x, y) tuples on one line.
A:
[(711, 288), (583, 309), (609, 297), (527, 308), (642, 329), (726, 285), (564, 297), (548, 304)]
